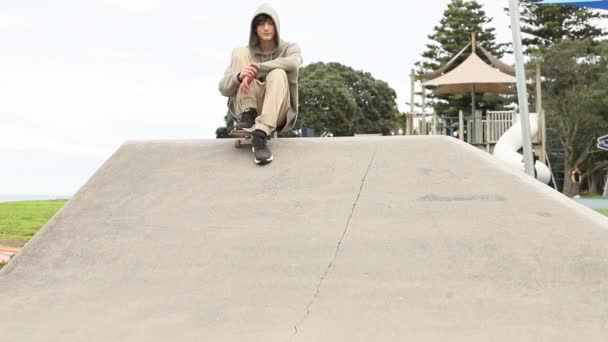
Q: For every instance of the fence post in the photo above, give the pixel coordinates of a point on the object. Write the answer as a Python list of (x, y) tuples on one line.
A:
[(423, 129), (410, 117), (478, 127), (460, 125), (541, 115), (488, 122)]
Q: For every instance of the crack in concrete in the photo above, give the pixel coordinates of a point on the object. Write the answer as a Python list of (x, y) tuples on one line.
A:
[(336, 252)]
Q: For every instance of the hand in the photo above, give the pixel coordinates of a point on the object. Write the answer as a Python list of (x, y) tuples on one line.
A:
[(250, 71), (246, 85)]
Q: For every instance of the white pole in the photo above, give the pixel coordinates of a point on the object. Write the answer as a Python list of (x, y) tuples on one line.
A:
[(522, 95), (423, 119)]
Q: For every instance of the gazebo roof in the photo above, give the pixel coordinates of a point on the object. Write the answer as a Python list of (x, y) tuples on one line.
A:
[(472, 75)]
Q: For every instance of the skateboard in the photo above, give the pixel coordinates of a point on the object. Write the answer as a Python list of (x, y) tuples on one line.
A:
[(243, 137)]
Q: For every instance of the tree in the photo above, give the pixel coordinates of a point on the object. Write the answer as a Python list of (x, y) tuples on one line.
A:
[(224, 131), (337, 99), (576, 101), (547, 25), (544, 27), (460, 20)]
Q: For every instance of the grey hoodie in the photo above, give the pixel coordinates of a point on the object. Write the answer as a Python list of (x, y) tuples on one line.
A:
[(286, 56)]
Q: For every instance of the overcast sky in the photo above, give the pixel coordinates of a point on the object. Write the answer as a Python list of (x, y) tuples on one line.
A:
[(80, 77)]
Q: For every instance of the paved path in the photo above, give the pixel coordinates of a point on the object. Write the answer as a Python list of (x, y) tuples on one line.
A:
[(593, 203), (361, 239)]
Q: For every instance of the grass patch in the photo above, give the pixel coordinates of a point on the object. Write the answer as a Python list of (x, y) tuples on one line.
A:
[(605, 212), (19, 221)]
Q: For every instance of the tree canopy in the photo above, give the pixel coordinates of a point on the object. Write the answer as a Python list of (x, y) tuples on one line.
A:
[(460, 19), (575, 94), (337, 99), (547, 25)]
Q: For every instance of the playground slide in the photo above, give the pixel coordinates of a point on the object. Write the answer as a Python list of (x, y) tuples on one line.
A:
[(511, 141)]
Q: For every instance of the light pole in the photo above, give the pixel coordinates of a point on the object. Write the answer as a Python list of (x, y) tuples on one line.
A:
[(522, 96)]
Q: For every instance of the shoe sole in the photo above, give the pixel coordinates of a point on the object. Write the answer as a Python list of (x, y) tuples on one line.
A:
[(261, 162)]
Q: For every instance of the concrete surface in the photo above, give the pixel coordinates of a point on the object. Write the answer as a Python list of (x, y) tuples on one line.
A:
[(353, 239)]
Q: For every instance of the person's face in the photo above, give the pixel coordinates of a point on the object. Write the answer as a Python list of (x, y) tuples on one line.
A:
[(265, 29)]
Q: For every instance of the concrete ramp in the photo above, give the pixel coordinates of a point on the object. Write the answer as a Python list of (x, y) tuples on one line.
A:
[(352, 239)]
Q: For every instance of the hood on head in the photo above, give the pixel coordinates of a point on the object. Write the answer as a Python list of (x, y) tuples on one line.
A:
[(269, 11)]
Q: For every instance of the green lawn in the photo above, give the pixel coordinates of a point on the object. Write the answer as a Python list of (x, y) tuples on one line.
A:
[(593, 196), (605, 212), (19, 221)]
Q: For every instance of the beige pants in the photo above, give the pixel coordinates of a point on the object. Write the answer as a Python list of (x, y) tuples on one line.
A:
[(270, 98)]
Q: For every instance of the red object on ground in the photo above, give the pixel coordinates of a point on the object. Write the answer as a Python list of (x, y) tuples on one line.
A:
[(7, 253)]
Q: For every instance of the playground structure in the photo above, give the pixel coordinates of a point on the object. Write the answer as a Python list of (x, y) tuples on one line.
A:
[(483, 129), (486, 132), (479, 130), (507, 147)]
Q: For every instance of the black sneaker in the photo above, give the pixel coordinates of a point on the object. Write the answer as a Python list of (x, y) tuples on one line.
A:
[(247, 118), (261, 152)]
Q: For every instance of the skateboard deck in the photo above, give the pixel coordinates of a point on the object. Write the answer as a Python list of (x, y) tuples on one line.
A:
[(243, 137)]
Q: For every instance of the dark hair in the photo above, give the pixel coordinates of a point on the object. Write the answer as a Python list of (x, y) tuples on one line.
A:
[(261, 18)]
